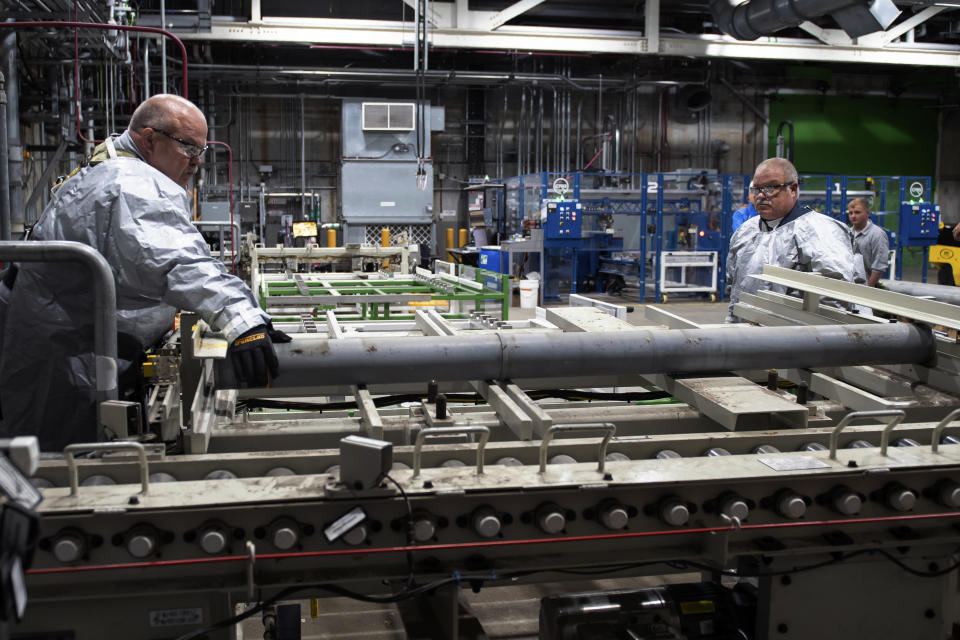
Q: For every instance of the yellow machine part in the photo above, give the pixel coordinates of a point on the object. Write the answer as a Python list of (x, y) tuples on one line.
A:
[(148, 366), (942, 254)]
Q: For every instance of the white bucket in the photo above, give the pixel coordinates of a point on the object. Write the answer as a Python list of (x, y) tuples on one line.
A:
[(529, 291)]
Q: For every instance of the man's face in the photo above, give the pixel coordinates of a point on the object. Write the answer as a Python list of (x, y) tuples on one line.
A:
[(858, 215), (173, 158), (782, 198)]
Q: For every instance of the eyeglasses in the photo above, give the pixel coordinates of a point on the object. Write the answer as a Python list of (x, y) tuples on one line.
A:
[(186, 148), (770, 190)]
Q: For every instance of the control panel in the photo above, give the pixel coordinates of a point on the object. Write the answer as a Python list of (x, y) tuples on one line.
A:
[(919, 224), (564, 220)]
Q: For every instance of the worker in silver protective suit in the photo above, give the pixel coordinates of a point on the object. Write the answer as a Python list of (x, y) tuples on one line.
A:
[(129, 202), (785, 234)]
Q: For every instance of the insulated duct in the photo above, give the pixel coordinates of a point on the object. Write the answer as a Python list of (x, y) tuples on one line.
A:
[(755, 18)]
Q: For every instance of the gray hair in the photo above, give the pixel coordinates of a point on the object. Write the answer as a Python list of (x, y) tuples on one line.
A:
[(785, 166)]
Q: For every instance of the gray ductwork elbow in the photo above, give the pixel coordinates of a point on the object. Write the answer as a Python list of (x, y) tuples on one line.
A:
[(757, 18)]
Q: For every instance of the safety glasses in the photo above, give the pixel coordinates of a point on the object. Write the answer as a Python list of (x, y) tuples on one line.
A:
[(186, 148)]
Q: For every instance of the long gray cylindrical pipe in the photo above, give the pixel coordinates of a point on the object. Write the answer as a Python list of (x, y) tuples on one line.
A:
[(104, 299), (499, 356), (750, 20), (942, 293), (5, 233), (13, 151)]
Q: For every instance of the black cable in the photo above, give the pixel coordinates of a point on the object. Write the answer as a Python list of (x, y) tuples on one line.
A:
[(922, 574), (386, 401), (412, 592), (283, 594), (683, 564), (410, 540)]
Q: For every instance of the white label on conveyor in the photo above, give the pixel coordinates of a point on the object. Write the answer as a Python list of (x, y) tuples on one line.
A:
[(344, 523), (794, 463), (176, 617), (388, 203)]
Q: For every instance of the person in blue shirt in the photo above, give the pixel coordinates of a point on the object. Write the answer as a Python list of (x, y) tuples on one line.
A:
[(745, 212)]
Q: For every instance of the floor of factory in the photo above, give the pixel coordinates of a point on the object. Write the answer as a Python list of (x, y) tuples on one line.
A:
[(495, 613)]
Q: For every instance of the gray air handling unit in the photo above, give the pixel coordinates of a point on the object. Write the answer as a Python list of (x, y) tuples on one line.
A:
[(378, 170)]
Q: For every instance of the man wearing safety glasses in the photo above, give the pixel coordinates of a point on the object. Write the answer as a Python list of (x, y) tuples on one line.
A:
[(785, 234), (128, 201)]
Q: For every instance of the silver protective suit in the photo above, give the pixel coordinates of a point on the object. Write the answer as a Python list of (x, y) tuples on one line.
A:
[(138, 219), (804, 241)]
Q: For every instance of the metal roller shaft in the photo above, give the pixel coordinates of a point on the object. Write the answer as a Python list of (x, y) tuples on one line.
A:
[(499, 356)]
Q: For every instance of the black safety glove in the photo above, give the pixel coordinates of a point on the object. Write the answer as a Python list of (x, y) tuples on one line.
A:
[(277, 336), (252, 355)]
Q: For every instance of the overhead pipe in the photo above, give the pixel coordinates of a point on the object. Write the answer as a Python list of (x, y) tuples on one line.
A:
[(103, 27), (233, 225), (146, 70), (13, 149), (756, 18), (104, 299), (528, 135), (431, 75), (49, 24), (501, 171), (311, 362), (780, 149), (303, 161), (5, 232), (554, 163), (541, 152), (163, 49)]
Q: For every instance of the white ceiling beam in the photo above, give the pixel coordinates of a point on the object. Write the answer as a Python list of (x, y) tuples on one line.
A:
[(826, 36), (463, 14), (432, 16), (651, 25), (503, 17), (912, 22), (514, 38)]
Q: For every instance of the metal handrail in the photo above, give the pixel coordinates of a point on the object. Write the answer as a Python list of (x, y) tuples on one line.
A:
[(104, 300)]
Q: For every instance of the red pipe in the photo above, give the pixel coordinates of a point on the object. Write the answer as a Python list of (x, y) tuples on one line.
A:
[(492, 543), (233, 239), (102, 27)]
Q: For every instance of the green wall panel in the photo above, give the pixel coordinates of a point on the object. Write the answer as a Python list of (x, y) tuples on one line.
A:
[(858, 136)]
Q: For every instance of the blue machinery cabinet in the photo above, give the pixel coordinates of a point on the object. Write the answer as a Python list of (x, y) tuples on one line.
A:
[(651, 214)]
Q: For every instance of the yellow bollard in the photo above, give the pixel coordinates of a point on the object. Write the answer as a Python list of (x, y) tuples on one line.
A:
[(331, 237), (463, 237), (385, 242), (450, 244)]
